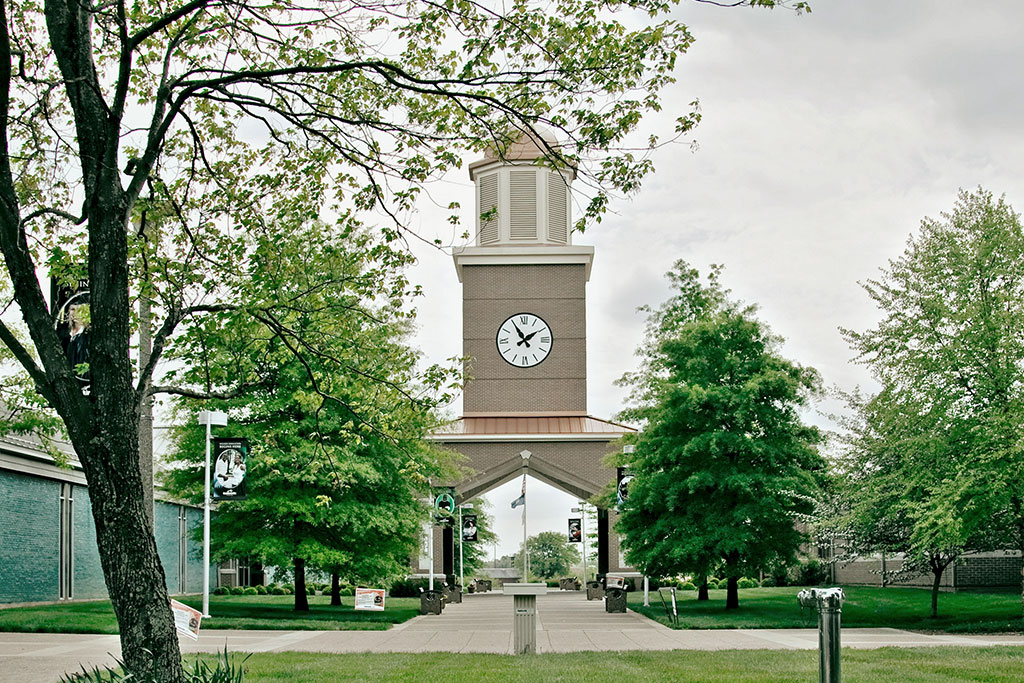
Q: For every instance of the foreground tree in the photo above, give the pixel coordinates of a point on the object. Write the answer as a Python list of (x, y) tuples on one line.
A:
[(724, 467), (949, 354), (221, 115)]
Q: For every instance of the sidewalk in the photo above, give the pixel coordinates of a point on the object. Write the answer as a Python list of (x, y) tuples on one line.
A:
[(566, 622)]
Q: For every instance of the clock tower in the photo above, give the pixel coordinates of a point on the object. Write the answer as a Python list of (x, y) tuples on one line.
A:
[(525, 341)]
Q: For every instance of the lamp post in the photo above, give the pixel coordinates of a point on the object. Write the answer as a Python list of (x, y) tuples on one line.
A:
[(462, 542), (210, 418), (582, 509)]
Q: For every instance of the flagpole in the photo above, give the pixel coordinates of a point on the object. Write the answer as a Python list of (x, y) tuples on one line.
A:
[(526, 550)]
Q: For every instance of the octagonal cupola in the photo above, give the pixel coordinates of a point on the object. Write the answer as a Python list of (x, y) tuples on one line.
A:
[(519, 200)]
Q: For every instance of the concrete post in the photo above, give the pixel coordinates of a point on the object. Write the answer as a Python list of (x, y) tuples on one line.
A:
[(524, 614)]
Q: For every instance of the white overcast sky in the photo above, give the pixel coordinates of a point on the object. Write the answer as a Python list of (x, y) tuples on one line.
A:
[(826, 138)]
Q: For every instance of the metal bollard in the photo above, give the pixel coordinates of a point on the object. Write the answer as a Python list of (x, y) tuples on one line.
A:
[(829, 603)]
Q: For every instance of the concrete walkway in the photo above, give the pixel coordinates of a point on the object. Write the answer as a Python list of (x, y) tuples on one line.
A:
[(566, 622)]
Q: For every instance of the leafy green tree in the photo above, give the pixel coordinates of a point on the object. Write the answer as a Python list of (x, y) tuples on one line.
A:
[(339, 465), (724, 467), (949, 355), (224, 117), (551, 555)]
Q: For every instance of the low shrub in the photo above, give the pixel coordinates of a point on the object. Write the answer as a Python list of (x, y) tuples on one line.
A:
[(250, 590), (553, 583), (261, 590), (407, 588), (277, 590), (287, 590), (767, 582), (809, 573), (687, 586), (221, 590), (238, 590), (746, 583)]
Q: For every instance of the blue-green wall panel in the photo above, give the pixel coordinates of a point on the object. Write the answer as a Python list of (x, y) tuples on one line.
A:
[(29, 538), (88, 573), (165, 523)]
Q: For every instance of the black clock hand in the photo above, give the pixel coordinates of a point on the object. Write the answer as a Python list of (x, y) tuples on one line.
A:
[(527, 338), (518, 331)]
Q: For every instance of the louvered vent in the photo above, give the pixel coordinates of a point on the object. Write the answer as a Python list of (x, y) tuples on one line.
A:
[(523, 210), (490, 230), (558, 217)]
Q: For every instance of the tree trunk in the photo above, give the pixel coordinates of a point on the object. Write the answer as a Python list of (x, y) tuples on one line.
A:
[(335, 589), (301, 599), (702, 587), (732, 595), (128, 554), (937, 573)]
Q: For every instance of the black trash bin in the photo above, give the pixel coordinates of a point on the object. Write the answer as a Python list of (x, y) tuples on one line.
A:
[(431, 601), (594, 590), (453, 594), (615, 600)]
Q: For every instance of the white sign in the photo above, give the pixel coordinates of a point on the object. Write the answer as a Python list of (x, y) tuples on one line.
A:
[(186, 619), (370, 598)]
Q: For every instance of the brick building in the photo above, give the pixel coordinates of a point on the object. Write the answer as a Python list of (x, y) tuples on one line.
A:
[(525, 338)]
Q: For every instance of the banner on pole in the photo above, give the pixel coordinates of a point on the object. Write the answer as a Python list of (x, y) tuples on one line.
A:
[(186, 619), (469, 528), (370, 599), (70, 306), (444, 505), (625, 477), (575, 530), (229, 469)]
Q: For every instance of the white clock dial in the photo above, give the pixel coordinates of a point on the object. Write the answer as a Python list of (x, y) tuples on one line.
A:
[(524, 340)]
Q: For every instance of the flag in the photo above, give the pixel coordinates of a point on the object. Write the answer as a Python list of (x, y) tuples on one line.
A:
[(521, 500)]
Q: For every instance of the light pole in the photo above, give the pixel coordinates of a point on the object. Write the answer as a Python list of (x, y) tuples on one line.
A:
[(210, 418), (582, 509), (462, 542)]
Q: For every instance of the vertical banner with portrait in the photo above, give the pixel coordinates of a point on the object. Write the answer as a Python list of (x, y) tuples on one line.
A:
[(232, 457), (469, 528), (625, 477), (575, 530), (70, 307)]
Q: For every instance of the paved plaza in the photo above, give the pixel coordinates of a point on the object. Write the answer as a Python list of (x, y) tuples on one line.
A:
[(566, 622)]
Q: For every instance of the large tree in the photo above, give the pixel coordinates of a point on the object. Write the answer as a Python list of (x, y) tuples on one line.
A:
[(949, 355), (897, 454), (724, 466), (330, 486), (551, 555), (221, 116)]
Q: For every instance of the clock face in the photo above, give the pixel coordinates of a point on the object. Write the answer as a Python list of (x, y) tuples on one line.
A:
[(524, 340)]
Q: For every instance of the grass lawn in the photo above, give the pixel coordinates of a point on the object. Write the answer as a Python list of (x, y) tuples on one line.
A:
[(886, 665), (906, 608), (228, 612)]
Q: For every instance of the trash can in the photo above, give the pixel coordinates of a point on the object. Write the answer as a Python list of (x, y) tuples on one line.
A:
[(615, 600), (594, 590), (453, 594), (483, 585), (431, 601)]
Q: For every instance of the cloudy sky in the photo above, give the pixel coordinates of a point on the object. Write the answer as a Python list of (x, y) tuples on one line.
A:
[(826, 138)]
